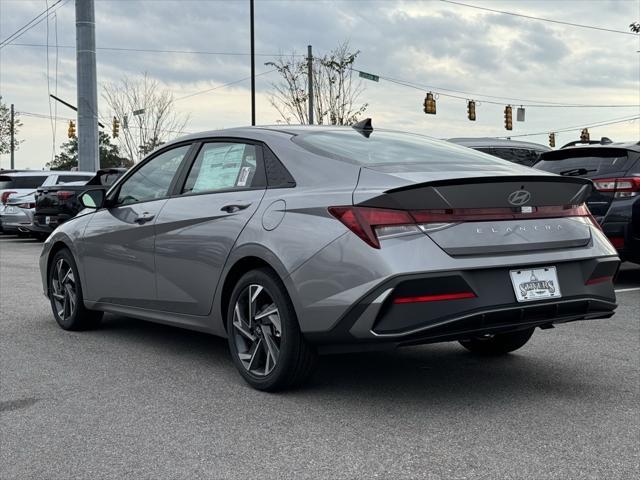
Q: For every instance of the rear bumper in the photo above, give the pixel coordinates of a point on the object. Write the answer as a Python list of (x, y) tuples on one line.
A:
[(375, 318), (40, 225)]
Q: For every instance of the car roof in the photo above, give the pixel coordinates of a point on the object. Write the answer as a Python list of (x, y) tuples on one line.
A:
[(633, 146), (497, 143), (264, 131), (40, 173)]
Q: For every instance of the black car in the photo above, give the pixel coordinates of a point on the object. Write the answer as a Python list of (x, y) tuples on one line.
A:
[(56, 204), (522, 153), (614, 169)]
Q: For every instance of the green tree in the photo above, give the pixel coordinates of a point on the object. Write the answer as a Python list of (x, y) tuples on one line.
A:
[(109, 155), (5, 128)]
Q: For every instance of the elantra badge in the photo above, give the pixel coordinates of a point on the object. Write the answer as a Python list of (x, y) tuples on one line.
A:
[(519, 197)]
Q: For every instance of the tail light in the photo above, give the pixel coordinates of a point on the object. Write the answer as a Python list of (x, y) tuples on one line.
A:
[(621, 187), (64, 194), (5, 196), (27, 205), (617, 242), (370, 224)]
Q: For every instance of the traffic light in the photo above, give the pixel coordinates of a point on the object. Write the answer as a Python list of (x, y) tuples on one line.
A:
[(115, 127), (584, 135), (430, 104), (508, 117), (71, 131), (552, 140), (471, 110)]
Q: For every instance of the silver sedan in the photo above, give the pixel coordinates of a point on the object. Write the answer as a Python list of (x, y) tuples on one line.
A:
[(294, 241)]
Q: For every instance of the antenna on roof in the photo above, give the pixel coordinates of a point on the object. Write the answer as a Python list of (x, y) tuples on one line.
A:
[(363, 127)]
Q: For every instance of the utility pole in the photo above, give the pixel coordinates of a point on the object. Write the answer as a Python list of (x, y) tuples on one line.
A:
[(310, 82), (88, 158), (253, 70), (13, 135)]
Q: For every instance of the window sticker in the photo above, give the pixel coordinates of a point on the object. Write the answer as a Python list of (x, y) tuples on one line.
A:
[(244, 175), (219, 169)]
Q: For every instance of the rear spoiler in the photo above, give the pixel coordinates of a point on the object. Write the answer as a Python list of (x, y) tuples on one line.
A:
[(483, 192)]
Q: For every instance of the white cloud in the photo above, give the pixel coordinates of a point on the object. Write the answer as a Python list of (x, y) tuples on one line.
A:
[(429, 43)]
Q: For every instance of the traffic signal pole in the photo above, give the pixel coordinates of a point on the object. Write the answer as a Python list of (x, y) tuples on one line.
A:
[(88, 159), (12, 127), (310, 82), (253, 69)]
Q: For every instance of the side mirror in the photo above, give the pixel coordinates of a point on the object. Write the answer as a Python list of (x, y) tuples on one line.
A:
[(92, 198)]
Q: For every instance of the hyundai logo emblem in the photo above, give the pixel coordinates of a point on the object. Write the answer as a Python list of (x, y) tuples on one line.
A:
[(519, 197)]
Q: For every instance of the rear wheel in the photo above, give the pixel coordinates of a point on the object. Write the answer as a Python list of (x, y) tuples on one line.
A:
[(65, 294), (264, 337), (498, 344)]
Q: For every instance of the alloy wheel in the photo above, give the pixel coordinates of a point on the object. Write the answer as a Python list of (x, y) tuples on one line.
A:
[(64, 289), (257, 330)]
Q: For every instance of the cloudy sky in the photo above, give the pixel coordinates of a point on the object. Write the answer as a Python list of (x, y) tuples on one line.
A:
[(434, 45)]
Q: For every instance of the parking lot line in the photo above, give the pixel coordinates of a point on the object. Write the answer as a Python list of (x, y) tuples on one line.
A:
[(622, 290)]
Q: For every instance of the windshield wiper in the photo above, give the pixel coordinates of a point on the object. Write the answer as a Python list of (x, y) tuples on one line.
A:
[(577, 171)]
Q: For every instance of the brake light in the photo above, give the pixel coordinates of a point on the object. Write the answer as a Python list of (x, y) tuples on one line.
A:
[(434, 298), (5, 196), (64, 194), (617, 242), (621, 187), (27, 205), (363, 221), (372, 223)]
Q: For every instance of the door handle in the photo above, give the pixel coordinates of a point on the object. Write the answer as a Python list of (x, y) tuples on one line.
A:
[(144, 218), (235, 207)]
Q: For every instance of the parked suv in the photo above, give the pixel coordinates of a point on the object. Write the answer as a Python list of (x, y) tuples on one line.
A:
[(615, 200), (522, 153)]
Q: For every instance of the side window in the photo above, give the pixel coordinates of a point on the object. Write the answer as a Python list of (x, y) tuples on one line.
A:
[(153, 179), (222, 166)]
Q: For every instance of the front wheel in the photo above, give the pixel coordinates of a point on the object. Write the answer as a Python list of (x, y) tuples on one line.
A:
[(498, 344), (65, 294), (266, 344)]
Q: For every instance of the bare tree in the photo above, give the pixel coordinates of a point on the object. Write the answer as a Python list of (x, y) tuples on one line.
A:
[(335, 92), (146, 114)]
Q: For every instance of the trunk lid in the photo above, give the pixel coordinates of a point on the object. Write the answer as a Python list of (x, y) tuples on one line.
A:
[(484, 211)]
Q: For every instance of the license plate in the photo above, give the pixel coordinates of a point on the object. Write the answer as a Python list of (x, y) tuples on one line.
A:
[(47, 220), (535, 284)]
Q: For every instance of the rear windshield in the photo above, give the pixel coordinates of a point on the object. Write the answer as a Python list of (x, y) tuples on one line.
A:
[(23, 181), (586, 166), (62, 179), (391, 148), (521, 156)]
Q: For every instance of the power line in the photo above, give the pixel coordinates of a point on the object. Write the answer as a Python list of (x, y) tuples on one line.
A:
[(153, 50), (32, 23), (223, 85), (603, 123), (530, 17), (518, 101)]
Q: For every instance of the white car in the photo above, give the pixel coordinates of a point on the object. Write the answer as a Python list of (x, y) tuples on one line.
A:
[(21, 184)]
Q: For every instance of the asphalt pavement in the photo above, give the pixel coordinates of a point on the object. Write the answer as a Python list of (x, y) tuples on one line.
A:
[(137, 400)]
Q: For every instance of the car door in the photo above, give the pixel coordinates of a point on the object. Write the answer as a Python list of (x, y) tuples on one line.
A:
[(118, 243), (199, 225)]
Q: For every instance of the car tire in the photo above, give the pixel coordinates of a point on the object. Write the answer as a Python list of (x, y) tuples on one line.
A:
[(65, 294), (264, 336), (498, 344)]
